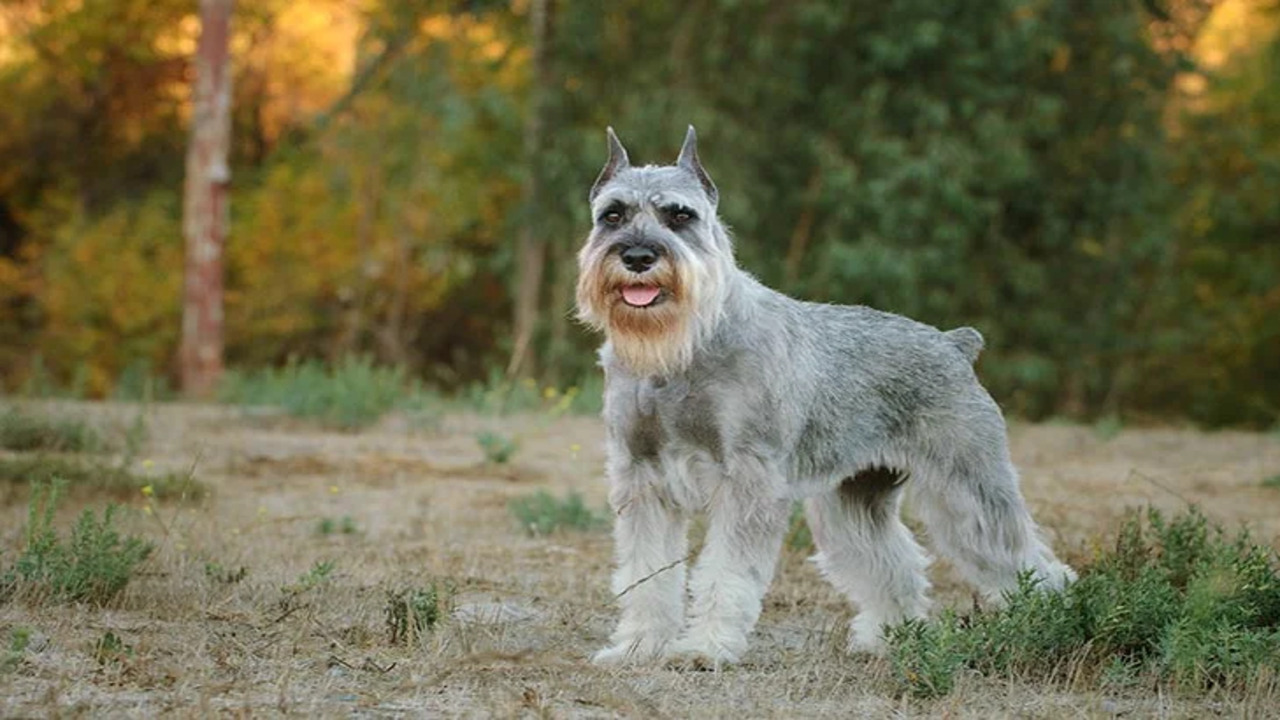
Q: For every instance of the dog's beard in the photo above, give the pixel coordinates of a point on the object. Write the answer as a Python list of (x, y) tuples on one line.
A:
[(659, 337)]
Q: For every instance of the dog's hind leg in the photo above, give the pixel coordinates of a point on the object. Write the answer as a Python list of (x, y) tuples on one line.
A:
[(969, 500), (866, 552)]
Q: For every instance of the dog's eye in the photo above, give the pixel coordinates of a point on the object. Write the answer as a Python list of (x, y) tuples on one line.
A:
[(613, 217), (680, 217)]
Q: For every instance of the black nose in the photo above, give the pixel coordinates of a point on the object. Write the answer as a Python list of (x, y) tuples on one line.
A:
[(639, 258)]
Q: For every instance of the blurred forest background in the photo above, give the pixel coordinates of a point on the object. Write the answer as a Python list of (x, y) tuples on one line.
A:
[(1095, 184)]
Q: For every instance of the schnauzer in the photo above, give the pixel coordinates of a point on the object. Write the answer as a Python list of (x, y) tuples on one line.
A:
[(724, 396)]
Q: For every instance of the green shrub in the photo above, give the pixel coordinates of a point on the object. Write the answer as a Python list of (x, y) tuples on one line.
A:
[(411, 613), (1176, 600), (498, 449), (353, 394), (543, 513), (93, 566), (799, 538), (328, 526), (22, 432)]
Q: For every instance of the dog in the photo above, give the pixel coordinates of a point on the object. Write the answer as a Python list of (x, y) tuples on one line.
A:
[(726, 397)]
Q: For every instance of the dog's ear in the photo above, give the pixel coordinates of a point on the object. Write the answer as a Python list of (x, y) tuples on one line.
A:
[(617, 162), (689, 161)]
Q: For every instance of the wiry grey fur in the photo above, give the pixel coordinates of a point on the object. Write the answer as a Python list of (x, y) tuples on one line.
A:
[(727, 397)]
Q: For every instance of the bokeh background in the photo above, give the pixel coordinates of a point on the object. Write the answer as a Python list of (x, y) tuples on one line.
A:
[(1095, 184)]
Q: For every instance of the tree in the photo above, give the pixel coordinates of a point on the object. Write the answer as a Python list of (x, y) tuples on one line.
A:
[(531, 244), (204, 222)]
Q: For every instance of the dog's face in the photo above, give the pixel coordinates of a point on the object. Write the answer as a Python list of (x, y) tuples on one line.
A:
[(654, 257)]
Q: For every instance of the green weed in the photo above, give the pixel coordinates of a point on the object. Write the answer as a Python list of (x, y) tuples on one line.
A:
[(411, 613), (354, 394), (11, 658), (110, 649), (23, 432), (94, 565), (101, 477), (543, 513), (225, 576), (799, 538), (498, 449), (1174, 600), (345, 525), (1272, 482), (1108, 427)]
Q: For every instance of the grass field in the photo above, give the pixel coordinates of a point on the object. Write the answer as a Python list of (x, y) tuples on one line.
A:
[(384, 573)]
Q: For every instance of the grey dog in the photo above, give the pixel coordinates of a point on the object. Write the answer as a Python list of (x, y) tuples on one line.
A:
[(724, 396)]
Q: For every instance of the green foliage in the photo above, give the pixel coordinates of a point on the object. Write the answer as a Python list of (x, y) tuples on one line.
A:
[(111, 649), (412, 613), (11, 657), (101, 477), (543, 513), (20, 431), (799, 538), (1175, 600), (498, 395), (1108, 427), (498, 449), (328, 526), (94, 565), (950, 163), (353, 394), (1272, 482), (224, 576)]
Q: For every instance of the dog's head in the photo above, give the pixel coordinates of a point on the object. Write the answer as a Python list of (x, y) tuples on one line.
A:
[(652, 273)]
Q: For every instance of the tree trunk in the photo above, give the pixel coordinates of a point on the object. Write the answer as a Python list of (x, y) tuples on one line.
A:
[(531, 248), (204, 210)]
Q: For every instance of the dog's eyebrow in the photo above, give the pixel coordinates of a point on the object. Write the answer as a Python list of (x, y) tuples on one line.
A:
[(673, 208), (615, 205)]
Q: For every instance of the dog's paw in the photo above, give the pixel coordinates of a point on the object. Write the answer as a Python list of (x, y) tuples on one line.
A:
[(866, 636), (687, 654), (634, 652)]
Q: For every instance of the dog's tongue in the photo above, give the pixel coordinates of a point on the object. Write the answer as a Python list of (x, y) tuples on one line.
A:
[(640, 295)]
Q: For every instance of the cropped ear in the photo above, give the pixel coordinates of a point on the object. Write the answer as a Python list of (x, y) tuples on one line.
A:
[(617, 162), (689, 161)]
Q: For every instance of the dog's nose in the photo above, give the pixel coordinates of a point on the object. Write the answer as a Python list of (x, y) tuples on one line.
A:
[(639, 258)]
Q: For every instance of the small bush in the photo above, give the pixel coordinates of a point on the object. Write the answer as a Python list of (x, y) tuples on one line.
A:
[(1174, 600), (11, 658), (94, 566), (543, 513), (799, 538), (329, 526), (224, 576), (354, 394), (22, 432), (411, 613), (498, 449)]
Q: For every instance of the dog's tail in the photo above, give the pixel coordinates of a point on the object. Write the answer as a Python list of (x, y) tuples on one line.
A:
[(967, 340)]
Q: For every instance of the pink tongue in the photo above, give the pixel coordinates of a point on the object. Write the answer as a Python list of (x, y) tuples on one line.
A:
[(640, 295)]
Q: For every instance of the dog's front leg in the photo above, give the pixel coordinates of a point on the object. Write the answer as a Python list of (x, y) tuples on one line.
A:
[(650, 544), (734, 569)]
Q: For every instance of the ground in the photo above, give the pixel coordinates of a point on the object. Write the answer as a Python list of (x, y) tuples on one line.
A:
[(525, 612)]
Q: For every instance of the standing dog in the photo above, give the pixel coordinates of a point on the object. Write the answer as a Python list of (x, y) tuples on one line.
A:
[(724, 396)]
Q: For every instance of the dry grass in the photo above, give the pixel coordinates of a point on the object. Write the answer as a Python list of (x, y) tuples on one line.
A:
[(194, 636)]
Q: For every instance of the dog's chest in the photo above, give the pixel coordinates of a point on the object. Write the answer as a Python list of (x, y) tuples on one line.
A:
[(671, 418)]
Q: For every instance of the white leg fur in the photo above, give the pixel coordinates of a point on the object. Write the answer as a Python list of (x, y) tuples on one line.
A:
[(870, 556), (977, 518), (734, 569), (649, 535)]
